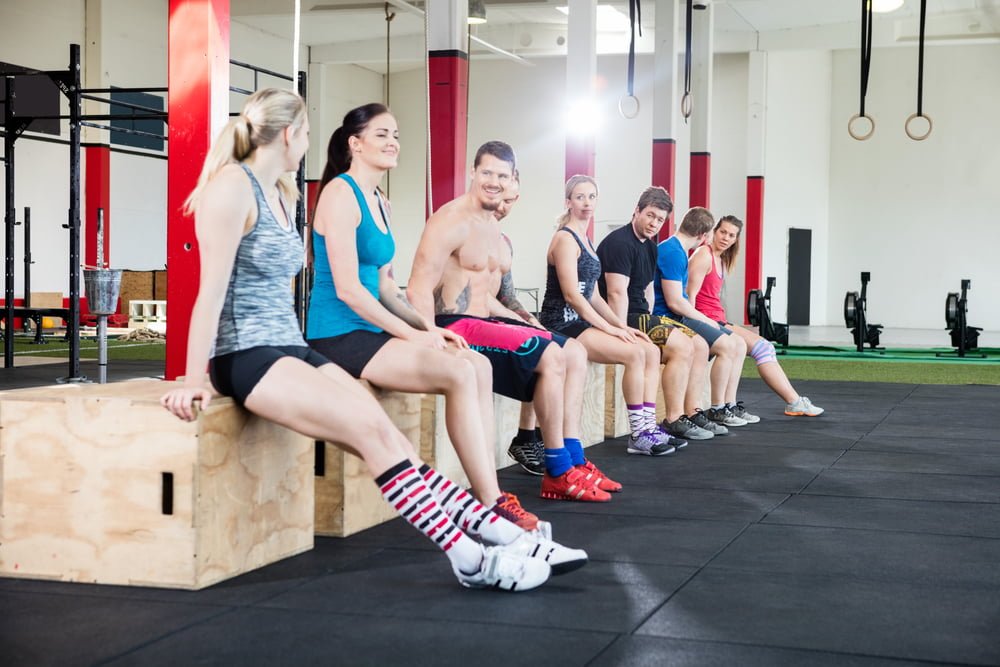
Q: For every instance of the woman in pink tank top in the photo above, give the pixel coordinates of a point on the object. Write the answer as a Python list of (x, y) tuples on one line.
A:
[(707, 270)]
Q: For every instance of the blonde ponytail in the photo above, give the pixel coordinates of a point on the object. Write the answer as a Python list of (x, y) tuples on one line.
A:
[(265, 115)]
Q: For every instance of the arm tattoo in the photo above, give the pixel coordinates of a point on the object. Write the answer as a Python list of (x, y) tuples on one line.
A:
[(508, 298), (406, 312), (461, 301)]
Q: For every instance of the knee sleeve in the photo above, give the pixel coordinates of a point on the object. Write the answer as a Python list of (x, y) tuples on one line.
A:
[(763, 352)]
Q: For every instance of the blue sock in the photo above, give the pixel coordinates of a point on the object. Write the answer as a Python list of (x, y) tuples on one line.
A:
[(575, 449), (557, 461)]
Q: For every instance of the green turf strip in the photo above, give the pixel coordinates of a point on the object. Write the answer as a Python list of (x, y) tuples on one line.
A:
[(844, 370)]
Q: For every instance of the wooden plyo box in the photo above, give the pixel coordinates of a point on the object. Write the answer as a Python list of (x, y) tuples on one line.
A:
[(100, 484), (347, 498)]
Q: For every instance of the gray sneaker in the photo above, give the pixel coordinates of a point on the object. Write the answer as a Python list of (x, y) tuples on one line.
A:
[(741, 412), (648, 444), (683, 427), (700, 419), (724, 416), (803, 407)]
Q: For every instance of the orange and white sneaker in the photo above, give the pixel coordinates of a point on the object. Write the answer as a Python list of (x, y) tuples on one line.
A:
[(572, 485), (598, 478), (509, 507)]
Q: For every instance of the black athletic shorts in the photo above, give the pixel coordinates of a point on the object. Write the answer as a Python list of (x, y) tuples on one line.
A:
[(514, 350), (572, 329), (353, 350), (237, 373)]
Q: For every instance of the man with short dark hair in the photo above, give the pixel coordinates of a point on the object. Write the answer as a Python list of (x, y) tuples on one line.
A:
[(628, 262)]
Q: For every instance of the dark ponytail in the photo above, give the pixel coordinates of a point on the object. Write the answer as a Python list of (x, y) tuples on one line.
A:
[(338, 152)]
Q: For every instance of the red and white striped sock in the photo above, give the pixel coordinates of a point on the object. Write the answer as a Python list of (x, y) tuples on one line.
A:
[(404, 489), (468, 513)]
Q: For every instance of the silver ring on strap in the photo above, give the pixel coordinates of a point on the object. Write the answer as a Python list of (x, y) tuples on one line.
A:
[(628, 106), (918, 137), (686, 105), (855, 135)]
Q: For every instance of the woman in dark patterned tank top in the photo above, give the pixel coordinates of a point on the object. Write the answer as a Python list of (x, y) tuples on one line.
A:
[(243, 327), (573, 307)]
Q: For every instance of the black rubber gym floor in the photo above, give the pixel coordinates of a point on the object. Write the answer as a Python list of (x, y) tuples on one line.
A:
[(867, 536)]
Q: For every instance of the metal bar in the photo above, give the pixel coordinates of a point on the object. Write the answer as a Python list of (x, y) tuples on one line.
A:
[(75, 111), (241, 91), (124, 130), (262, 70), (126, 116), (130, 105), (300, 223), (125, 90), (8, 147), (27, 257)]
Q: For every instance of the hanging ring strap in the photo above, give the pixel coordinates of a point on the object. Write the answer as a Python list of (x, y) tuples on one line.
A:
[(920, 83), (628, 105), (866, 62), (686, 105), (389, 16)]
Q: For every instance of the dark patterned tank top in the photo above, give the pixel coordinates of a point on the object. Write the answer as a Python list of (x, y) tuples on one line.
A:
[(555, 311), (259, 308)]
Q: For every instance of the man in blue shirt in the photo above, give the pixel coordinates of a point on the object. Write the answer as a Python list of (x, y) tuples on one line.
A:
[(671, 300)]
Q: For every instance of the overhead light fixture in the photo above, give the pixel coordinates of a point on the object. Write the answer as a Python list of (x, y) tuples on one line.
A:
[(886, 6), (477, 12)]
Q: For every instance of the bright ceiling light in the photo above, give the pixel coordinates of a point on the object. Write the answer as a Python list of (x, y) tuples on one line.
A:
[(609, 19), (583, 118), (886, 6)]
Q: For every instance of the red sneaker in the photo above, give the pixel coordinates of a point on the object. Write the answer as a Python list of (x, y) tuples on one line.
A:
[(598, 478), (509, 507), (572, 485)]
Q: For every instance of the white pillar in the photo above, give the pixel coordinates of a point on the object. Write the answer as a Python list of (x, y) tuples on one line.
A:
[(665, 102)]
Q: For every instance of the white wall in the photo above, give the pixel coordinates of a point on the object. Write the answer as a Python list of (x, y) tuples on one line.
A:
[(797, 168), (919, 215)]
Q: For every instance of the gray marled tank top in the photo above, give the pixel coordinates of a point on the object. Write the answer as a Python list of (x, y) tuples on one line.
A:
[(259, 308)]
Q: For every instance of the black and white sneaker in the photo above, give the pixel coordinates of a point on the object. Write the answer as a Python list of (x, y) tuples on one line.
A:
[(530, 455), (724, 416), (702, 420), (683, 427)]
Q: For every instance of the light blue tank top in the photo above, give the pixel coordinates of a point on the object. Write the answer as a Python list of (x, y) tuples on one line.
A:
[(259, 307), (328, 314)]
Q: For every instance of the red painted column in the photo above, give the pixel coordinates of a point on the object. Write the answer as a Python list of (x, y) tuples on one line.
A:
[(754, 236), (756, 139), (97, 185), (448, 82), (664, 175), (198, 107), (701, 179)]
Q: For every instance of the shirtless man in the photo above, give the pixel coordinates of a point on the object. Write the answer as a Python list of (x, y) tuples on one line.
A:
[(453, 280)]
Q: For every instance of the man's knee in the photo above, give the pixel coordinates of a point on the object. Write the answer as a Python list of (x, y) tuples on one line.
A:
[(553, 361)]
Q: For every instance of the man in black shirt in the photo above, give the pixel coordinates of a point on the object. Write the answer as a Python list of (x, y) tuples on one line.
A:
[(628, 263)]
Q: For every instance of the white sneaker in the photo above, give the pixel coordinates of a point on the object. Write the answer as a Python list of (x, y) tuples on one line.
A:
[(561, 559), (803, 408), (741, 412), (505, 568)]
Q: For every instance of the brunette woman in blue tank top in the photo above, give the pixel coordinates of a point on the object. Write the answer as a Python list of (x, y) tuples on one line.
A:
[(574, 308), (361, 320)]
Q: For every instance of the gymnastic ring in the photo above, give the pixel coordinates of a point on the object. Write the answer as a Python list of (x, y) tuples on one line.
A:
[(631, 100), (860, 137), (921, 137), (686, 105)]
